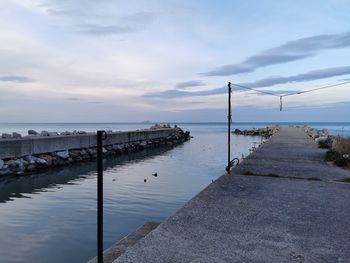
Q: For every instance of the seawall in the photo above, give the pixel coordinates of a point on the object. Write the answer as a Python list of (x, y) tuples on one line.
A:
[(20, 155)]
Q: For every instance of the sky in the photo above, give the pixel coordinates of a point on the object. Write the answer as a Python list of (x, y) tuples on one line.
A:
[(170, 61)]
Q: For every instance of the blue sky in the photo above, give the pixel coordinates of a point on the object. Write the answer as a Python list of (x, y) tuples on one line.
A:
[(92, 61)]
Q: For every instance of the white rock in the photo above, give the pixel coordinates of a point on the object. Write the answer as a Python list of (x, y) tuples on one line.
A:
[(63, 154), (41, 161), (30, 159), (321, 139)]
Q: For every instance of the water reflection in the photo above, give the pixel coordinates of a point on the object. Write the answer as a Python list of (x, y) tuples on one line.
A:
[(12, 187), (57, 223)]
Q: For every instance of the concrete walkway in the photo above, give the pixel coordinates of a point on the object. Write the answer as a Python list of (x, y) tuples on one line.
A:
[(282, 204)]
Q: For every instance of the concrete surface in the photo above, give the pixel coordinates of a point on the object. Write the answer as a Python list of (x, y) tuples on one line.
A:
[(259, 218), (10, 148), (119, 248)]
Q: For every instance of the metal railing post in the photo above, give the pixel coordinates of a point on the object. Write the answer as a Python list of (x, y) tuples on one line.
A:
[(101, 135), (229, 119)]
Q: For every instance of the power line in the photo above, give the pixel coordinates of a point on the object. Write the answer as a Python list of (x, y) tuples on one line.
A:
[(289, 94), (310, 90), (261, 91)]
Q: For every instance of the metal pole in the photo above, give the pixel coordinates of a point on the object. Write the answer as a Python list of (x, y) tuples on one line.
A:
[(101, 135), (229, 119)]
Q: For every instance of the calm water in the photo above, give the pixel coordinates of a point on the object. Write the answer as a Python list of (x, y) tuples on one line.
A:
[(51, 217)]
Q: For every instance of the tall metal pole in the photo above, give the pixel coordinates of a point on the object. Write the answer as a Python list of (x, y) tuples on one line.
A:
[(229, 118), (101, 135)]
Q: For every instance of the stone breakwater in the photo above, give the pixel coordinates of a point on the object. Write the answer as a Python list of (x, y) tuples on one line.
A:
[(264, 132), (37, 152)]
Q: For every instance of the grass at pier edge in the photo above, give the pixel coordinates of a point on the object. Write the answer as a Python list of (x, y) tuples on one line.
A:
[(339, 150)]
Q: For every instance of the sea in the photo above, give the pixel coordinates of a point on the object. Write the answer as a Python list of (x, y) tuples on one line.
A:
[(51, 216)]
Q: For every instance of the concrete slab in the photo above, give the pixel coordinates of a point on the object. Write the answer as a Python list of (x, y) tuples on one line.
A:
[(243, 218), (119, 248)]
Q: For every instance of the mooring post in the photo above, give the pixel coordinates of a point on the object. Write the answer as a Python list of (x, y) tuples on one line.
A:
[(229, 119), (101, 135)]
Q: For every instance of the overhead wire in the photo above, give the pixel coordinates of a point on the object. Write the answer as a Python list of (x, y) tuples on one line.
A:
[(257, 90), (289, 94), (315, 89)]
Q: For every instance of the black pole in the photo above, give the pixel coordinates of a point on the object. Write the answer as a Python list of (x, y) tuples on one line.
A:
[(229, 119), (101, 135)]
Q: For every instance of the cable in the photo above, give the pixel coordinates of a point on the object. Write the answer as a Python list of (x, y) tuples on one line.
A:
[(261, 91), (310, 90), (290, 94)]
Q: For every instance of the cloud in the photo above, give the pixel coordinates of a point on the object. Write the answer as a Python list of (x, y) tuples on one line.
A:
[(267, 82), (309, 76), (174, 93), (98, 29), (131, 23), (72, 99), (18, 79), (97, 18), (290, 51), (188, 84)]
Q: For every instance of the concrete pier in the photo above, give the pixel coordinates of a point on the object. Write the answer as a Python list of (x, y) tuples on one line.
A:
[(282, 204), (13, 148)]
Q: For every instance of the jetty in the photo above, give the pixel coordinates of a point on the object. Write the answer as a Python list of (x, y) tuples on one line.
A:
[(35, 152), (283, 203)]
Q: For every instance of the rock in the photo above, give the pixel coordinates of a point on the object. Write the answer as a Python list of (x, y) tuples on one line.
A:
[(53, 134), (84, 154), (32, 132), (74, 154), (66, 133), (82, 132), (1, 164), (5, 171), (16, 135), (44, 133), (30, 159), (47, 158), (41, 162), (237, 131), (11, 163), (6, 136), (321, 139), (31, 167), (63, 154)]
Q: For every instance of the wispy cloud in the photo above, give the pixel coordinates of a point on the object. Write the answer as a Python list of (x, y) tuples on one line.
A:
[(98, 29), (267, 82), (174, 93), (308, 76), (290, 51), (72, 99), (189, 84), (19, 79)]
